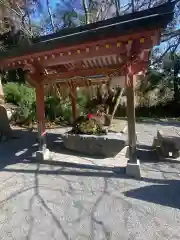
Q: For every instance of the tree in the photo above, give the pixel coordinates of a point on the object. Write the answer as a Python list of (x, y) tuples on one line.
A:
[(13, 27), (68, 14), (170, 39), (95, 10), (171, 67)]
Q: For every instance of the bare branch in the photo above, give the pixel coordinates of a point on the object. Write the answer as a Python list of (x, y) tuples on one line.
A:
[(133, 5), (167, 36), (86, 11)]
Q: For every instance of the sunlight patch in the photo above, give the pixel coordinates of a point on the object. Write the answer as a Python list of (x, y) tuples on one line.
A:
[(21, 152)]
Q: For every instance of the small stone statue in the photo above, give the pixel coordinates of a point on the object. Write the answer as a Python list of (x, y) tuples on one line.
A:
[(5, 129)]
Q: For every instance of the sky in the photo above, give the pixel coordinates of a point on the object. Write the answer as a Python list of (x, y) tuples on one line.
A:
[(78, 3), (54, 2)]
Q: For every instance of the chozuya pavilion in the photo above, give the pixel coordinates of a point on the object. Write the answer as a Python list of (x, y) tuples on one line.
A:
[(119, 46)]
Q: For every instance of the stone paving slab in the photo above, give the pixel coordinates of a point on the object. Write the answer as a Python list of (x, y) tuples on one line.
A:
[(52, 202), (118, 161), (69, 156), (48, 202), (145, 135)]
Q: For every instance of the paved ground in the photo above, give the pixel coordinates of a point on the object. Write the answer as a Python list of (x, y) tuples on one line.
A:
[(57, 202)]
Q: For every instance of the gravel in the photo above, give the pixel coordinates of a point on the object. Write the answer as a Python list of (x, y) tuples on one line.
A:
[(56, 202)]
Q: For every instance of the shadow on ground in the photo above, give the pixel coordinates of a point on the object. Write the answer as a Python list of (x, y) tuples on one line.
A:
[(160, 191), (146, 153), (19, 148), (164, 192), (22, 147), (56, 220), (149, 154)]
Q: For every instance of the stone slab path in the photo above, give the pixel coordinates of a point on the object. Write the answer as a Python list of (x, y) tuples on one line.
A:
[(53, 201)]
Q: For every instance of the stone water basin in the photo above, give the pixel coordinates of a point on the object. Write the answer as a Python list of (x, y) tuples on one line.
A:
[(95, 145)]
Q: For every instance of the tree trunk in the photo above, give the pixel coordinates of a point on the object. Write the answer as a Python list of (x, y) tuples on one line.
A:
[(176, 90), (1, 94), (86, 11), (5, 129), (118, 7), (133, 5), (116, 105), (176, 81), (50, 16)]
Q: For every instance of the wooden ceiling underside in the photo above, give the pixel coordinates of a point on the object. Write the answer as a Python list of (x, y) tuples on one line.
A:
[(82, 81)]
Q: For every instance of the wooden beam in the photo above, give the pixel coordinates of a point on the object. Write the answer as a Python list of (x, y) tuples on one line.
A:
[(2, 101), (78, 52), (147, 34), (81, 83), (139, 66), (131, 114), (40, 112), (36, 76), (80, 73), (103, 51), (115, 70), (74, 101)]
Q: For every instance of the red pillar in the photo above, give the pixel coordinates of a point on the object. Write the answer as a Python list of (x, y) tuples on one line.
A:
[(73, 102), (40, 112), (131, 114)]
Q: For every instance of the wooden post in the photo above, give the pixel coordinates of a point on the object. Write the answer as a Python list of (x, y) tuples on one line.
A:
[(1, 93), (73, 102), (131, 114), (40, 111)]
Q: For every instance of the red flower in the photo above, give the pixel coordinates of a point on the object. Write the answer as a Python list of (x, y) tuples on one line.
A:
[(90, 115)]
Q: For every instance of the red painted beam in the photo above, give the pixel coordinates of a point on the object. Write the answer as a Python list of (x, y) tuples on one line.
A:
[(80, 73), (23, 60)]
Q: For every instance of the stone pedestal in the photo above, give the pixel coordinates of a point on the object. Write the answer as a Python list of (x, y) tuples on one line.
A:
[(5, 129), (103, 146), (166, 145), (43, 155), (1, 94), (133, 169)]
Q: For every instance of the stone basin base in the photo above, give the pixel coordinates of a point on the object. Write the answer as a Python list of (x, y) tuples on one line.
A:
[(104, 146)]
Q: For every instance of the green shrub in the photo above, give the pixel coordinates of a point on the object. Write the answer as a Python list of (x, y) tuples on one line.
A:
[(83, 125), (82, 103), (24, 97), (52, 105), (58, 109), (55, 108), (18, 94), (12, 93), (65, 110)]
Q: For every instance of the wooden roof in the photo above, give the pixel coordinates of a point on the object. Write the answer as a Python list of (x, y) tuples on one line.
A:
[(101, 48)]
